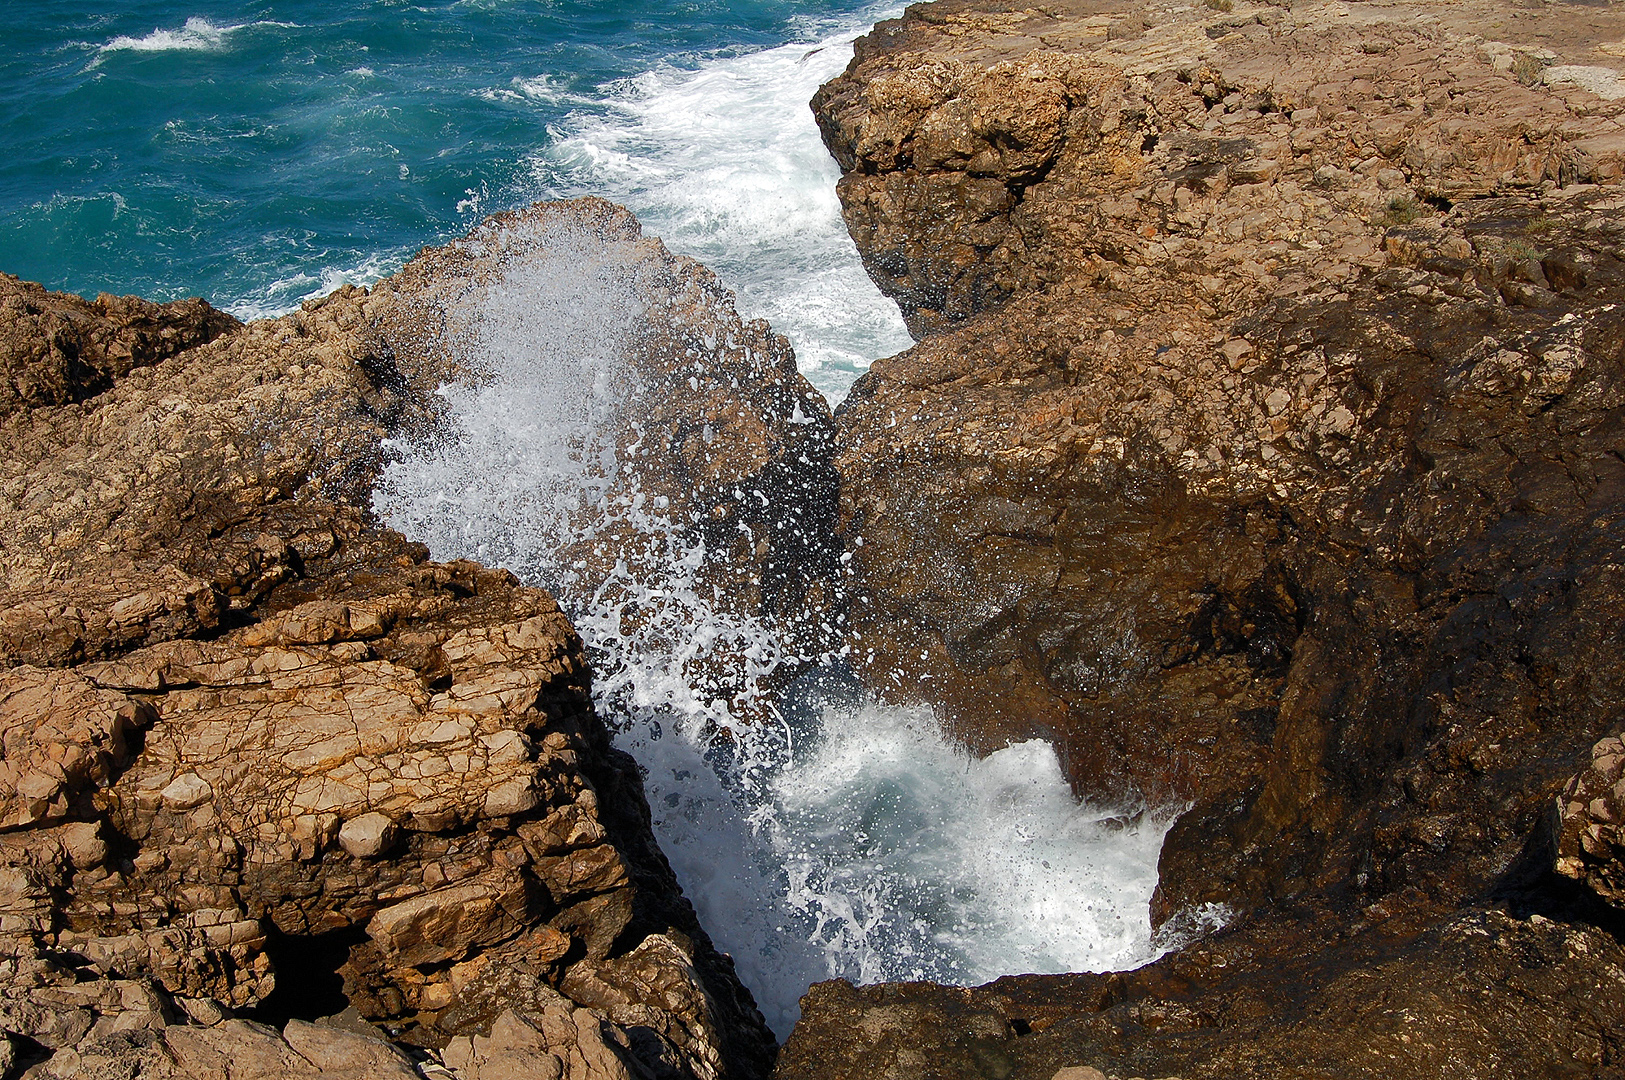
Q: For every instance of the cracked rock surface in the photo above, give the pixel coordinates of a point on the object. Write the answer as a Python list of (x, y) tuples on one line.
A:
[(277, 788), (1262, 449)]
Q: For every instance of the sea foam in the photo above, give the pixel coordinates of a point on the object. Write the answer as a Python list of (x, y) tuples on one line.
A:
[(830, 836), (198, 34), (724, 162)]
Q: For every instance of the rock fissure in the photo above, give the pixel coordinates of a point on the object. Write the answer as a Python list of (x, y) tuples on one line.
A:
[(251, 736)]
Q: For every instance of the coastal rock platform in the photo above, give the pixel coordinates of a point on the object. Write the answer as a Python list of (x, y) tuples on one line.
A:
[(1261, 449), (281, 795)]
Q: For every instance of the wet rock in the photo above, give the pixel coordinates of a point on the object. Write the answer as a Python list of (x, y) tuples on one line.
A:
[(1251, 455), (720, 446), (1368, 1001), (264, 760)]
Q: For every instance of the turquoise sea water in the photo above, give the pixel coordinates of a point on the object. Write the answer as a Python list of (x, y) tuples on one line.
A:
[(260, 153)]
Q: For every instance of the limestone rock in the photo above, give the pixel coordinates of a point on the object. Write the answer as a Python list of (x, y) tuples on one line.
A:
[(1258, 450), (61, 735), (1208, 492), (560, 1043), (1591, 811), (368, 835), (257, 747), (56, 348)]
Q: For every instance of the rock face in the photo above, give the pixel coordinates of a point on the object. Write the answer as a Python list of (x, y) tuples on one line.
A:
[(263, 759), (691, 433), (1590, 811), (1261, 450)]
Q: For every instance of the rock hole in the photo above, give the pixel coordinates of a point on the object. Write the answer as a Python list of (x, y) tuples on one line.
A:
[(1149, 143), (308, 982), (1021, 1027)]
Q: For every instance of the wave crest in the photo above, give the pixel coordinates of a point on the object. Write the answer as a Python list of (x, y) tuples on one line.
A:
[(198, 34)]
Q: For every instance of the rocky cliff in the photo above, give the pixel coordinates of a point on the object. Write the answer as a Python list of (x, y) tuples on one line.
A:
[(276, 785), (1261, 449)]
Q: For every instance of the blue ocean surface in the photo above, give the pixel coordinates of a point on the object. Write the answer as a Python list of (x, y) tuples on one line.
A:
[(258, 154)]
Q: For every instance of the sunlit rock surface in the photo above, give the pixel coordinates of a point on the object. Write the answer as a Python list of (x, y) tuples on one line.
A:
[(264, 759), (1260, 450)]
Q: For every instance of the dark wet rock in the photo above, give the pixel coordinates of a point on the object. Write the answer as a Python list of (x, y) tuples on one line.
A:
[(1477, 994), (59, 348), (1261, 451)]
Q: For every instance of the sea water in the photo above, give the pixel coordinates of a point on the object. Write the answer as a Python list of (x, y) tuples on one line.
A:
[(827, 835), (260, 154)]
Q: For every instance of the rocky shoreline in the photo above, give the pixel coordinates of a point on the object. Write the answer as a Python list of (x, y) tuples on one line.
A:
[(266, 763), (1263, 449)]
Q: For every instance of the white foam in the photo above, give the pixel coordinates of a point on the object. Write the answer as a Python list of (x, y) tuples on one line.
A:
[(534, 89), (724, 162), (815, 841), (882, 851), (285, 294), (198, 34)]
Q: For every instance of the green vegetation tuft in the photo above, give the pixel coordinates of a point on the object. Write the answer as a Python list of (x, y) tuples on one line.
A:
[(1401, 210)]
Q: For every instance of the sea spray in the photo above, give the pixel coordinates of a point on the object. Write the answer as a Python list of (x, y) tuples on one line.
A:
[(818, 834), (726, 164)]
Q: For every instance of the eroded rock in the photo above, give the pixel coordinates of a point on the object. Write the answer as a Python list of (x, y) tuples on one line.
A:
[(253, 742), (1257, 451)]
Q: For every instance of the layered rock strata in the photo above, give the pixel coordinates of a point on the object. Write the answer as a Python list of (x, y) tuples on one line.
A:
[(1261, 450), (266, 760)]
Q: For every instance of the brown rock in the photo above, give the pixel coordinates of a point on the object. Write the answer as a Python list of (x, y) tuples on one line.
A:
[(334, 1051), (248, 734), (61, 735), (1590, 811), (57, 349), (1252, 455), (368, 835)]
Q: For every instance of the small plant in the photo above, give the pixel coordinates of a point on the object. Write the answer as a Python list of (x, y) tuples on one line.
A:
[(1520, 251), (1526, 68), (1401, 210), (1539, 226), (1221, 5)]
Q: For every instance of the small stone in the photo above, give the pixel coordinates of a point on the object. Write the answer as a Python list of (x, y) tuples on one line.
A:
[(186, 791), (205, 1011), (1236, 351), (1079, 1072), (368, 836), (1255, 171), (84, 844)]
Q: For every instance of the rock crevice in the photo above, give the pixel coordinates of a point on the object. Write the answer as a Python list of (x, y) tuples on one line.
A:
[(265, 761)]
